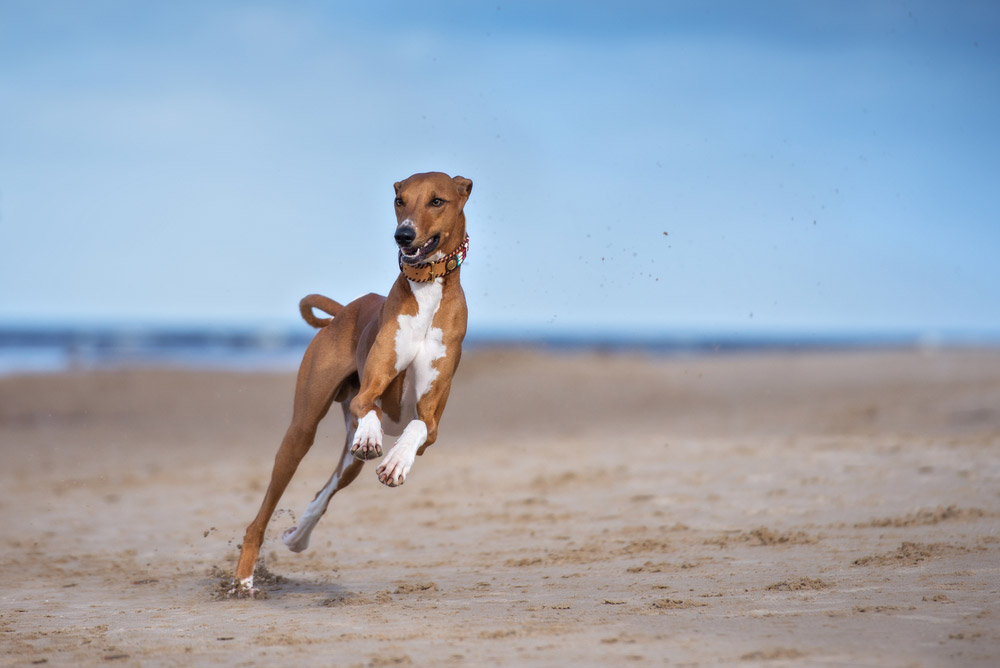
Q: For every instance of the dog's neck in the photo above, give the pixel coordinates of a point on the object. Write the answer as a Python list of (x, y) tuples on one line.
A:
[(428, 271)]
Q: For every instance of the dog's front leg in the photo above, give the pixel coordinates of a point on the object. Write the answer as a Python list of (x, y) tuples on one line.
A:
[(421, 432), (379, 371)]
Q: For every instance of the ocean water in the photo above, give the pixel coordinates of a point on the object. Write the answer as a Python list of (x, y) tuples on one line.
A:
[(34, 351), (47, 350)]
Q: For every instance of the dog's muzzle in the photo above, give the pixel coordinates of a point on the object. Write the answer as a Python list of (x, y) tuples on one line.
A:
[(405, 237)]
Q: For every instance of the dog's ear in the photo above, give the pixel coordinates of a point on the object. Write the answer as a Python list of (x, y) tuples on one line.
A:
[(464, 186), (396, 186)]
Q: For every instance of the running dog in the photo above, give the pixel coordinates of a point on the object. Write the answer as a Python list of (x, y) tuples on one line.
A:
[(388, 361)]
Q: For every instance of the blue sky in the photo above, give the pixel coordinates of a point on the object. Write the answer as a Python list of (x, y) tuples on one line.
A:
[(638, 166)]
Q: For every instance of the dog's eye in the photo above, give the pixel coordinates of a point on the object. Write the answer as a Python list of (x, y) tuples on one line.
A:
[(399, 201), (437, 201)]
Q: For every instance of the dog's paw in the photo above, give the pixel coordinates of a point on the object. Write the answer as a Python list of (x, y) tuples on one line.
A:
[(393, 471), (368, 438), (295, 540), (243, 589)]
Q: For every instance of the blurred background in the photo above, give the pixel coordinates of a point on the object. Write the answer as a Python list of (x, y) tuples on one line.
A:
[(174, 177)]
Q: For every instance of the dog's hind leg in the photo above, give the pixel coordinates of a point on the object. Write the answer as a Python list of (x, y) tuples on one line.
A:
[(321, 376), (297, 538)]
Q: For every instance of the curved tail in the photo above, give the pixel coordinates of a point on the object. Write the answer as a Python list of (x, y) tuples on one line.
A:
[(325, 304)]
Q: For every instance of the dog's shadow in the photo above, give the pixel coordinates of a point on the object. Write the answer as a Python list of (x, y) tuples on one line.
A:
[(329, 594)]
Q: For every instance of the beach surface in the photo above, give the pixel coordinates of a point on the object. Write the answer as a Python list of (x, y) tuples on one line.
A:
[(813, 508)]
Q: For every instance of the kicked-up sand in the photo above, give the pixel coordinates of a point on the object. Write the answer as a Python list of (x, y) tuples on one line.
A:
[(834, 508)]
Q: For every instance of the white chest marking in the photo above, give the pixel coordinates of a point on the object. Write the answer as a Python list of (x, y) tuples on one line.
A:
[(418, 343)]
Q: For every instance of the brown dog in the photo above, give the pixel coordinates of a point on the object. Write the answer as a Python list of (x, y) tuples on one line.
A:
[(389, 361)]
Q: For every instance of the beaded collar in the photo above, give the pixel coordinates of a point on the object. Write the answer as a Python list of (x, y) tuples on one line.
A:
[(428, 271)]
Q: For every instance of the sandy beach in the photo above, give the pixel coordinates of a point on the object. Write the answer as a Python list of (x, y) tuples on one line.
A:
[(835, 508)]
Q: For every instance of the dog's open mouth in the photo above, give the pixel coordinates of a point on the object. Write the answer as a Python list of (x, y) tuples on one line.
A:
[(419, 254)]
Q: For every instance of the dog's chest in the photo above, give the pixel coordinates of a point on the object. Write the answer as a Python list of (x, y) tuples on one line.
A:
[(418, 342)]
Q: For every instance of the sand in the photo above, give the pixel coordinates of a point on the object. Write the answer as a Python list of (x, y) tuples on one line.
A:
[(835, 508)]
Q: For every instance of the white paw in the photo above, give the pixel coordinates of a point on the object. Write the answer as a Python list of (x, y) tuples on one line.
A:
[(395, 467), (295, 540), (243, 589), (368, 437)]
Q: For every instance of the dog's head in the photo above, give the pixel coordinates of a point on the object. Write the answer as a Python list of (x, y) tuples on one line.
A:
[(430, 222)]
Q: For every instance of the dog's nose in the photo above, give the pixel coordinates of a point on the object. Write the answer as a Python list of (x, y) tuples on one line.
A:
[(405, 236)]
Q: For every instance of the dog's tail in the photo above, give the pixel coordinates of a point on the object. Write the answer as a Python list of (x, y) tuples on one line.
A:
[(325, 304)]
